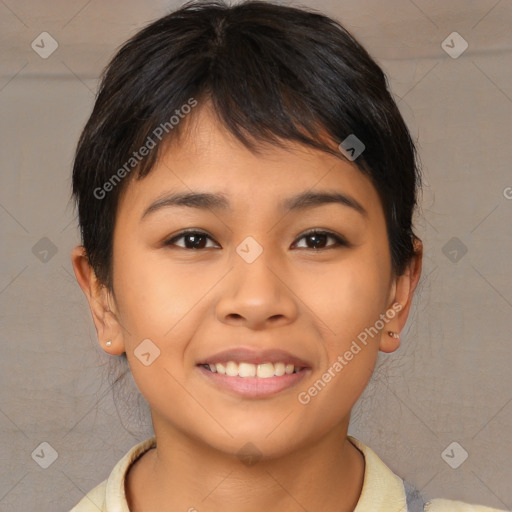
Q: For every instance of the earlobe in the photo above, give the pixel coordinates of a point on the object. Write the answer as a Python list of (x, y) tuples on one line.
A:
[(402, 293), (389, 342), (106, 323)]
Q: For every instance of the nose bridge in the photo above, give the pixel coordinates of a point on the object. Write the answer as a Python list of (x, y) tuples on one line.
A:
[(255, 292)]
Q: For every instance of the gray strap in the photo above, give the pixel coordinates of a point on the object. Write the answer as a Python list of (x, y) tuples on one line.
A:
[(415, 502)]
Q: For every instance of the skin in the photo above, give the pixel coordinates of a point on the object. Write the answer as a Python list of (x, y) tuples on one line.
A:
[(193, 303)]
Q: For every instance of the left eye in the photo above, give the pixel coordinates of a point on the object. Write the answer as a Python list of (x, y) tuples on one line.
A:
[(320, 237), (197, 240)]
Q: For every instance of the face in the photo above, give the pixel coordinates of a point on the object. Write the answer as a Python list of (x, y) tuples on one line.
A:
[(250, 278)]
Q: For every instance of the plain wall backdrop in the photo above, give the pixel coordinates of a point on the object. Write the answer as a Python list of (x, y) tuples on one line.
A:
[(450, 382)]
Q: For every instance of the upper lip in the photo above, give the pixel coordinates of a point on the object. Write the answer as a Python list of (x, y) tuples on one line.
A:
[(255, 356)]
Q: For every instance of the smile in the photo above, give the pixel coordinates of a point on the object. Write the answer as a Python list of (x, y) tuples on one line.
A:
[(253, 380), (249, 370)]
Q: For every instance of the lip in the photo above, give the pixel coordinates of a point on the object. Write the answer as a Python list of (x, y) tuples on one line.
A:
[(254, 387), (245, 355)]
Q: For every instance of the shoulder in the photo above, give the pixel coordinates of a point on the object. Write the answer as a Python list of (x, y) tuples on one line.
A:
[(384, 491), (440, 505), (109, 496), (94, 501)]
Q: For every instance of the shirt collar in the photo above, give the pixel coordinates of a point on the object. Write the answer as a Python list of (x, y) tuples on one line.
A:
[(382, 491)]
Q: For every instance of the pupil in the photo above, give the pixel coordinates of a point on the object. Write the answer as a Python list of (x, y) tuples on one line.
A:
[(196, 244), (316, 237)]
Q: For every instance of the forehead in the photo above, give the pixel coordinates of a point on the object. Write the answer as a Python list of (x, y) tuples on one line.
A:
[(208, 158)]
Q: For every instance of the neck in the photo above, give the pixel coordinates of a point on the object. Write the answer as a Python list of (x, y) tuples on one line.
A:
[(184, 474)]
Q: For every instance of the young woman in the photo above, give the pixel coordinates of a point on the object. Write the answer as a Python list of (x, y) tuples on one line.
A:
[(245, 189)]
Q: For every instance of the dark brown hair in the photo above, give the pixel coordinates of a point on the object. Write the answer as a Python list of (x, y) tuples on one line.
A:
[(272, 73)]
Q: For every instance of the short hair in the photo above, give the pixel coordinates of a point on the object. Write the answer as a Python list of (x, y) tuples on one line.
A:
[(272, 73)]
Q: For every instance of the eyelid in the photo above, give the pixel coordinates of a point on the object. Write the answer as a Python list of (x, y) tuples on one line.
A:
[(177, 236), (340, 240)]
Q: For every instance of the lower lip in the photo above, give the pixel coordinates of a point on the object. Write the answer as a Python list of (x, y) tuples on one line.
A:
[(254, 387)]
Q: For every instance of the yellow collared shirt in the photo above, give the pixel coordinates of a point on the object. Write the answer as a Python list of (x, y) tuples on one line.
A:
[(383, 491)]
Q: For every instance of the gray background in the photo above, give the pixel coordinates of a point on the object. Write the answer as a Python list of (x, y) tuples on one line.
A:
[(449, 382)]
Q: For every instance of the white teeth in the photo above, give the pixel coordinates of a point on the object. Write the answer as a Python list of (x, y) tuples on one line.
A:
[(265, 370), (232, 369), (248, 370), (279, 369)]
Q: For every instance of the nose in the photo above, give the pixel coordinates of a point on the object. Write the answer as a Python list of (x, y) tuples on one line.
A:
[(257, 295)]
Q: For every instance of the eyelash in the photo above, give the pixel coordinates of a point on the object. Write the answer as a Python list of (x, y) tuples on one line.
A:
[(340, 242)]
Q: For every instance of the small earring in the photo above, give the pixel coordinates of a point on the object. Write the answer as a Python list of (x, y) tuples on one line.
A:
[(394, 334), (108, 343)]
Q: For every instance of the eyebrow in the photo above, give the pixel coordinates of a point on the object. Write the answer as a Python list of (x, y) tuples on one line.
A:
[(207, 200)]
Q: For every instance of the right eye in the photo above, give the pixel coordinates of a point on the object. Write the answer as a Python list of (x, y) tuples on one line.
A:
[(194, 237)]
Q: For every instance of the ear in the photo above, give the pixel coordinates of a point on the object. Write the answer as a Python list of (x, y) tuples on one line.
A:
[(400, 299), (100, 300)]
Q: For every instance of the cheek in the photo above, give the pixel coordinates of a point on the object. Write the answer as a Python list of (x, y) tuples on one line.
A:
[(353, 300), (351, 297), (155, 294)]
